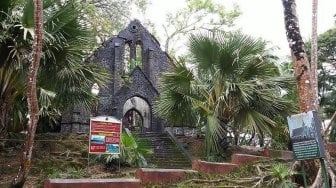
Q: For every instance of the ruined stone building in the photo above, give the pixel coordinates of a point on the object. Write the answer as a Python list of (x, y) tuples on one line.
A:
[(135, 60)]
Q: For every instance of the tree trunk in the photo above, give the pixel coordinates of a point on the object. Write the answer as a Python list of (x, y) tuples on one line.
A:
[(314, 57), (33, 108), (307, 82), (299, 56)]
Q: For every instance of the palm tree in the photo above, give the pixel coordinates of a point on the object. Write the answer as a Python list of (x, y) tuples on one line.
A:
[(63, 78), (237, 87)]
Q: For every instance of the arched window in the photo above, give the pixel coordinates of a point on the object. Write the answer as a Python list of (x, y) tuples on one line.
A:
[(139, 54), (137, 61), (127, 59), (132, 57)]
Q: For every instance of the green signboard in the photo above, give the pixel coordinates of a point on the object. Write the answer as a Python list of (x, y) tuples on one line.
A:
[(305, 135)]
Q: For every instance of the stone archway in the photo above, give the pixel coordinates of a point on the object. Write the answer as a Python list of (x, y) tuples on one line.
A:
[(142, 108)]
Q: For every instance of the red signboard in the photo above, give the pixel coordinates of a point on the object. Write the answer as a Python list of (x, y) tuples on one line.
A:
[(104, 135)]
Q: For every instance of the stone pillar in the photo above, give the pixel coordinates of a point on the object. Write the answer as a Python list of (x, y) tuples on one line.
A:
[(118, 65), (150, 64)]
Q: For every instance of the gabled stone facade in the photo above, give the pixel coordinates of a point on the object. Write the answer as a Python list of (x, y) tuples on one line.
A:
[(142, 81)]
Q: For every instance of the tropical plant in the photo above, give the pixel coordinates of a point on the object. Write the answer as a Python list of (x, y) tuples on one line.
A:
[(236, 88), (12, 91), (131, 153), (281, 177), (63, 78)]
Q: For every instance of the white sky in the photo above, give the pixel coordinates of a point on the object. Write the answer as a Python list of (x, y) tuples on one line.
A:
[(260, 18)]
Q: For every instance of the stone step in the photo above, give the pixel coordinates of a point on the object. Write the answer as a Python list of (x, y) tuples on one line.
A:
[(151, 134), (172, 162), (165, 153), (168, 157)]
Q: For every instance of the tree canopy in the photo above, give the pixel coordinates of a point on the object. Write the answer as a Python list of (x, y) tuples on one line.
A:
[(63, 78), (235, 87)]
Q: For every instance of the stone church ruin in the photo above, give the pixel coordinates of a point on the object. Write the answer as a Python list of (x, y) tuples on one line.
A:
[(135, 61)]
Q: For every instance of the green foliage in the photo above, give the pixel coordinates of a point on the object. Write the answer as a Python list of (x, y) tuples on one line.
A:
[(237, 88), (326, 74), (175, 104), (63, 78), (131, 153), (107, 17), (199, 15), (281, 177), (280, 137)]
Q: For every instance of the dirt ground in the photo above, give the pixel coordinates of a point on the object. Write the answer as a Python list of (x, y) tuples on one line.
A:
[(64, 156), (54, 156)]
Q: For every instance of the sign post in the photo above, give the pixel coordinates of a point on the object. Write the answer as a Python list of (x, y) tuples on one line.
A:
[(105, 133), (305, 135)]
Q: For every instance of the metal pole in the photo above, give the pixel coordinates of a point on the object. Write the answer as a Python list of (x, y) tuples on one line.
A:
[(88, 162), (324, 173), (304, 174)]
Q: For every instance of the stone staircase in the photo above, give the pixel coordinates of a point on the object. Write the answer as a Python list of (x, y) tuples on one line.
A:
[(166, 154)]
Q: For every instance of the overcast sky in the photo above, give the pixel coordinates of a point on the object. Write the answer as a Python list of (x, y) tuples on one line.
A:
[(260, 18)]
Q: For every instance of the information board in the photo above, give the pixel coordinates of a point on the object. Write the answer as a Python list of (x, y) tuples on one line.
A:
[(105, 134), (305, 135)]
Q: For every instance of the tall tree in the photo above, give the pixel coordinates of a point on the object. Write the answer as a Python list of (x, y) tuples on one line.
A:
[(198, 15), (314, 57), (33, 108), (299, 56), (107, 17), (307, 89)]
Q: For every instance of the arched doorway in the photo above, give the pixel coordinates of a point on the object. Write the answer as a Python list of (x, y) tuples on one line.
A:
[(136, 114), (133, 121)]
